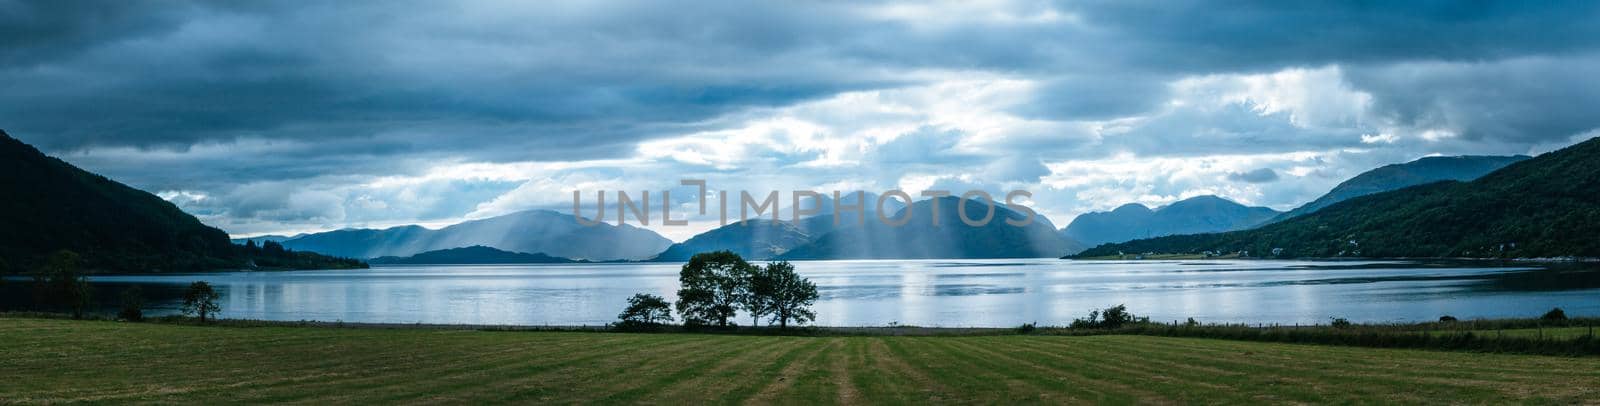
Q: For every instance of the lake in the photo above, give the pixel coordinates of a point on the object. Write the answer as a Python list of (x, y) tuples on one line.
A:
[(945, 293)]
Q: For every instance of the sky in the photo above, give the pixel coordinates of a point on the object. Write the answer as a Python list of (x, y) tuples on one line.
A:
[(289, 117)]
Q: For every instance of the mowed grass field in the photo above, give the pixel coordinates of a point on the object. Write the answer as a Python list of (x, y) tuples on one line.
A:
[(49, 361)]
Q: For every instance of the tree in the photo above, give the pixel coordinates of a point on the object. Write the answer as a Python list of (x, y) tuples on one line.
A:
[(132, 304), (645, 310), (789, 295), (711, 287), (201, 300), (273, 249), (760, 287), (1555, 314), (60, 283)]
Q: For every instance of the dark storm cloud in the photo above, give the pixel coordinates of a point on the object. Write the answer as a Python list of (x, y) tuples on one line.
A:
[(1517, 101), (1190, 36), (1095, 98), (600, 78), (170, 74), (201, 95), (1262, 175)]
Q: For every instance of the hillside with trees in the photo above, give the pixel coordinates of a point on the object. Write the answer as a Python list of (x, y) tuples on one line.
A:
[(1547, 206), (52, 206), (1419, 172)]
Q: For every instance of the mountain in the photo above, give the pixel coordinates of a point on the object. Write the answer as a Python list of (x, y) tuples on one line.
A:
[(762, 239), (1201, 214), (753, 240), (476, 254), (823, 222), (1547, 206), (50, 205), (541, 231), (265, 238), (920, 238), (1396, 176)]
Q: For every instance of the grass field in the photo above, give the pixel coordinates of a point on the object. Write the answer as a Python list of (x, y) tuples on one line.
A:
[(46, 361)]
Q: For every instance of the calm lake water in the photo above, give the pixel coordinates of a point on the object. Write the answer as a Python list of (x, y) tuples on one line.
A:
[(947, 293)]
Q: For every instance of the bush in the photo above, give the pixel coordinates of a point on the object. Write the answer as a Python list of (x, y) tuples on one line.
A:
[(1027, 328), (1555, 314), (132, 304), (1340, 322), (1447, 319), (1110, 318), (1192, 322)]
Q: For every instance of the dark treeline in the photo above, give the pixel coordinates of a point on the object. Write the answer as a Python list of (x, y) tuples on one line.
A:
[(1504, 335), (272, 255)]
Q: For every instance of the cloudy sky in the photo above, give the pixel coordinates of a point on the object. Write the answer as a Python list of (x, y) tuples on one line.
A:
[(285, 117)]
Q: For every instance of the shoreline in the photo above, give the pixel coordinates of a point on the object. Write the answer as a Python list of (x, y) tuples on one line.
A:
[(1557, 260)]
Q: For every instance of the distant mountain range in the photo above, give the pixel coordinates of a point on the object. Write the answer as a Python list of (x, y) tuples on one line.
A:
[(1528, 207), (921, 238), (753, 240), (1546, 206), (1201, 214), (535, 231), (474, 255), (1397, 176), (50, 205), (762, 239), (264, 238)]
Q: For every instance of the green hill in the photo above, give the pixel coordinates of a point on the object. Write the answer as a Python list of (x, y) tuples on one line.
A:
[(1419, 172), (1548, 206), (50, 205)]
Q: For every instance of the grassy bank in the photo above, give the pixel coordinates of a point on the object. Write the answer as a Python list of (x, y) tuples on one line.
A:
[(62, 360)]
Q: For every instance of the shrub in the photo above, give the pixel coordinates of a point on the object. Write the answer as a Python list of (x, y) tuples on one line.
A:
[(1191, 323), (1447, 319), (1110, 318), (1027, 328), (1555, 314), (132, 304), (1340, 322)]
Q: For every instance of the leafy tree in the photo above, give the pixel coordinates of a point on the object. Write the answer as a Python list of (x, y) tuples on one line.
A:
[(273, 249), (201, 300), (645, 310), (711, 287), (61, 283), (760, 288), (132, 304), (788, 295)]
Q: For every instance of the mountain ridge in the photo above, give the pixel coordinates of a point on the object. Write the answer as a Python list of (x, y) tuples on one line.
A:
[(1545, 206), (1396, 176), (473, 255), (1199, 214), (542, 231)]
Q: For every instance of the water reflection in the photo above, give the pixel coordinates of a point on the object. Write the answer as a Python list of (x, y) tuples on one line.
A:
[(931, 293)]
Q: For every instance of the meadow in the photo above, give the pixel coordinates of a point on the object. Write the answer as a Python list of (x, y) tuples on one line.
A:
[(52, 361)]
